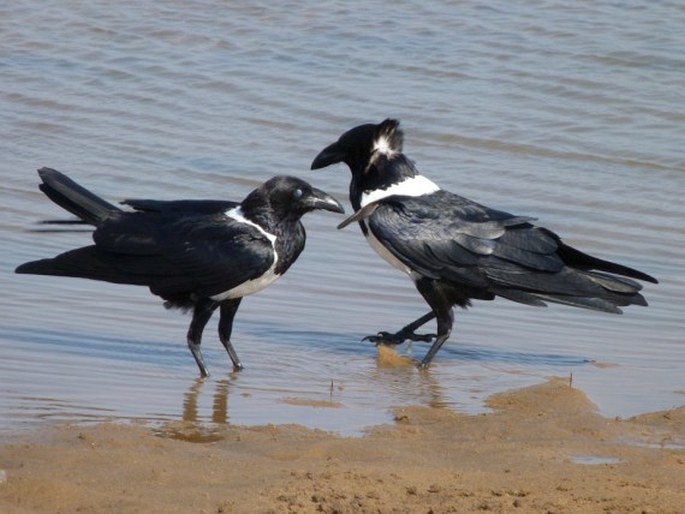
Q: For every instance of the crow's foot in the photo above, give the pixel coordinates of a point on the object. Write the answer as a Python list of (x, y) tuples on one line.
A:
[(400, 337)]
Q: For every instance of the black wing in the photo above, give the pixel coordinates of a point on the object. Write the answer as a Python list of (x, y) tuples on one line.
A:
[(446, 237), (178, 257), (206, 255)]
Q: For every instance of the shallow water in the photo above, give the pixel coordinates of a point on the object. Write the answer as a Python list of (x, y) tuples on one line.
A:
[(572, 113)]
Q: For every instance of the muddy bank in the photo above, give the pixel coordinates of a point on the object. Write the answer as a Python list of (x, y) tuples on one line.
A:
[(541, 449)]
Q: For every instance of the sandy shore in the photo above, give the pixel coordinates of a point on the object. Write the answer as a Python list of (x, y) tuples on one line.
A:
[(541, 449)]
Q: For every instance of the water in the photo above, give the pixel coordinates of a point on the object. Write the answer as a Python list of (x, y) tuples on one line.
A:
[(570, 112)]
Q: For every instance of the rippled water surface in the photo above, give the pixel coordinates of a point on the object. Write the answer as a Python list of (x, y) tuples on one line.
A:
[(568, 111)]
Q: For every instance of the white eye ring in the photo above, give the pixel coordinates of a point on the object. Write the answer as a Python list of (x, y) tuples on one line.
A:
[(298, 193)]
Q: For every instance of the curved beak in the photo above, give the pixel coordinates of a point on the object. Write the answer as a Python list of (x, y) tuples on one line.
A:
[(332, 154), (319, 199)]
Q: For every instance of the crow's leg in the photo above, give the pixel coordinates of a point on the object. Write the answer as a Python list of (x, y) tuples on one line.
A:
[(405, 334), (442, 307), (228, 310), (201, 313)]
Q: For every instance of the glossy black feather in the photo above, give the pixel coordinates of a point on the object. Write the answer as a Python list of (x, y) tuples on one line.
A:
[(74, 198)]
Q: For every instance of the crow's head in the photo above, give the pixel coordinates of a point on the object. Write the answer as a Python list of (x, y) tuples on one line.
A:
[(288, 198), (358, 146)]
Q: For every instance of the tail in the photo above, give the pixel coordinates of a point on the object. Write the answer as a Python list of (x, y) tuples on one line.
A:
[(585, 281), (582, 261), (74, 198), (608, 293), (611, 287)]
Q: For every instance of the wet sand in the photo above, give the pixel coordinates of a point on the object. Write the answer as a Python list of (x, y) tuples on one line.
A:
[(540, 449)]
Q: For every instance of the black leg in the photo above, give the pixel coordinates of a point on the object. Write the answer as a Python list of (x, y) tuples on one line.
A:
[(405, 334), (228, 310), (202, 312), (442, 308), (419, 322)]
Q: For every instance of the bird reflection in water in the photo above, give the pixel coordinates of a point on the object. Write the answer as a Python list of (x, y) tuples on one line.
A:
[(194, 427)]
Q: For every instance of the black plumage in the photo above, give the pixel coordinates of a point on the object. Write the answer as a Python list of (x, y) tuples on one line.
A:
[(197, 255), (456, 250)]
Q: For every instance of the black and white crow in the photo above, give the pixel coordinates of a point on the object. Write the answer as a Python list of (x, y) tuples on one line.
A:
[(456, 250), (195, 254)]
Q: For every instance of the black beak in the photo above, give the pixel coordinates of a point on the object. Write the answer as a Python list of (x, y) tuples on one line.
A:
[(332, 154), (318, 199)]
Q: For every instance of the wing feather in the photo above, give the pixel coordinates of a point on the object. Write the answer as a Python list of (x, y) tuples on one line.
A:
[(193, 253), (441, 236)]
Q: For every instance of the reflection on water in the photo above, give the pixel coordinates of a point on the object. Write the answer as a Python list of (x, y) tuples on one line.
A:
[(194, 428), (570, 115), (219, 405)]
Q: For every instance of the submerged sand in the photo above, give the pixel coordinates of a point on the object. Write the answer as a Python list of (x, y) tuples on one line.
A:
[(541, 449)]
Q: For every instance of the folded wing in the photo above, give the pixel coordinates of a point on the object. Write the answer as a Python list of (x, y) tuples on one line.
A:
[(452, 239)]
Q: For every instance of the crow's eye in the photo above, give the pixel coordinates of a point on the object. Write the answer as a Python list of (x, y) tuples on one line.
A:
[(298, 193)]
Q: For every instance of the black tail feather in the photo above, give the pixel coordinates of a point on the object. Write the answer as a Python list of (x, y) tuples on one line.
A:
[(582, 261), (595, 304), (575, 287), (74, 198)]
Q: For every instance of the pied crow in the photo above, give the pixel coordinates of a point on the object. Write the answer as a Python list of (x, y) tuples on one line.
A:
[(195, 254), (456, 250)]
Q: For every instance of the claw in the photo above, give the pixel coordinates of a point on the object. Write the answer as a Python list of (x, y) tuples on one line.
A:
[(382, 338)]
